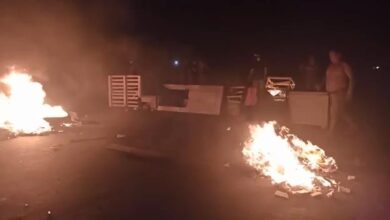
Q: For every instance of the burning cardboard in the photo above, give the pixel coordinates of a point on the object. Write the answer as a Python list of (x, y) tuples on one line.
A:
[(298, 166)]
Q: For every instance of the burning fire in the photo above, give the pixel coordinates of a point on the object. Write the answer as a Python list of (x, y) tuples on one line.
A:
[(22, 107), (298, 166)]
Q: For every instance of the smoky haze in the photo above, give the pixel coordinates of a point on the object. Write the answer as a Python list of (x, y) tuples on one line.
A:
[(69, 47)]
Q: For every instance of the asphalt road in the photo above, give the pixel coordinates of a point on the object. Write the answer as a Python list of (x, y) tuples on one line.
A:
[(76, 178)]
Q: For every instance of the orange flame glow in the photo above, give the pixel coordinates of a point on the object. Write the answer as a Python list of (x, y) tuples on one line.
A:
[(287, 160), (22, 108)]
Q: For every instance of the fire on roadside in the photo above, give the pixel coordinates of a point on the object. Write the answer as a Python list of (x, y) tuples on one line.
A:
[(22, 105), (296, 165)]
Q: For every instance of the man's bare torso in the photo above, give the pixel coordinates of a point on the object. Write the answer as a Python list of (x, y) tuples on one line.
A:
[(336, 77)]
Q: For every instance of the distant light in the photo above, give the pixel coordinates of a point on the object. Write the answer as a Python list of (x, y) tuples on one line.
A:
[(176, 62), (376, 67)]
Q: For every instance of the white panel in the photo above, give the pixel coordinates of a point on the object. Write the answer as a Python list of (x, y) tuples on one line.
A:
[(310, 108), (202, 99)]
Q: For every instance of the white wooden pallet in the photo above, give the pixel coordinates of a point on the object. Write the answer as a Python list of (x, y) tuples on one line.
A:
[(124, 90)]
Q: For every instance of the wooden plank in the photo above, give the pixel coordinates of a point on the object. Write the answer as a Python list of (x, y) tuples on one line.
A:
[(132, 84), (117, 84)]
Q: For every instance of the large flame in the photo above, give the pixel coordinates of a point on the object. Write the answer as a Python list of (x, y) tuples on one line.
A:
[(287, 160), (22, 107)]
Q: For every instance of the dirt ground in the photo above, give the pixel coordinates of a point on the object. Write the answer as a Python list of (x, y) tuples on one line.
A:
[(73, 176)]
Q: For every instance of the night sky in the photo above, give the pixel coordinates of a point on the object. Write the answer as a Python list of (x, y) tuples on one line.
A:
[(281, 30)]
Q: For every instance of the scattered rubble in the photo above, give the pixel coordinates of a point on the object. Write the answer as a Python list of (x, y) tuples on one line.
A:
[(315, 194), (228, 128), (330, 194), (350, 177), (281, 194), (344, 189)]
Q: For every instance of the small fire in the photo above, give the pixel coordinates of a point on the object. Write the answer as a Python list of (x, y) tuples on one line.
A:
[(298, 166), (22, 107)]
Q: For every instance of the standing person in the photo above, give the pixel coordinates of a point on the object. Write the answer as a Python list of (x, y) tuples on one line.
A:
[(193, 73), (258, 71), (310, 74), (203, 71), (255, 84), (339, 85), (132, 68)]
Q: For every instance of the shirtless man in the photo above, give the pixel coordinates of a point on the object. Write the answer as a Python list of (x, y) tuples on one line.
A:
[(339, 85)]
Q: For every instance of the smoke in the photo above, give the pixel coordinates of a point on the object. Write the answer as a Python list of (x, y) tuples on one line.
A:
[(70, 47)]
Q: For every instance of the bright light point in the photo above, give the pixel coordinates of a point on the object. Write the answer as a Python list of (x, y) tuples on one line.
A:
[(176, 62)]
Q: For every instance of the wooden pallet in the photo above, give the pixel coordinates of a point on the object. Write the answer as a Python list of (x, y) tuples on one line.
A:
[(124, 90)]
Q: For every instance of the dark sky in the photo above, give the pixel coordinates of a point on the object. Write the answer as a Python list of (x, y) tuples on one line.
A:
[(221, 30)]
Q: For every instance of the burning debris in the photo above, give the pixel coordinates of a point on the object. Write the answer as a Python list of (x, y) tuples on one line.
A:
[(298, 167), (22, 105)]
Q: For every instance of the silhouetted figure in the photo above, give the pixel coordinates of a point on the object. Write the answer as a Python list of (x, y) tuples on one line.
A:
[(310, 73), (132, 68), (202, 72), (255, 85), (339, 85), (193, 73), (257, 72)]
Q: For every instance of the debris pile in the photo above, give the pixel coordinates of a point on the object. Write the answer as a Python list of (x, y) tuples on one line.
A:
[(295, 166)]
